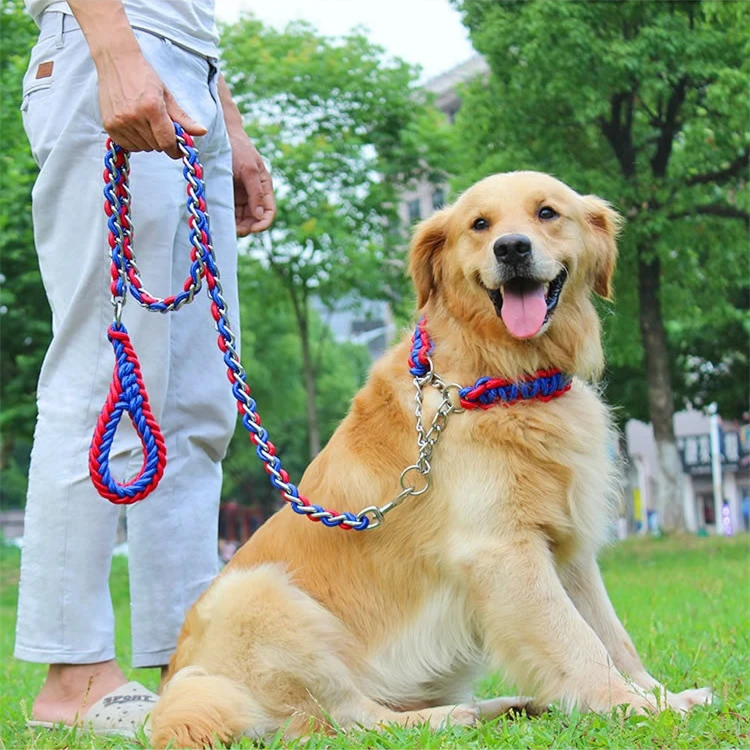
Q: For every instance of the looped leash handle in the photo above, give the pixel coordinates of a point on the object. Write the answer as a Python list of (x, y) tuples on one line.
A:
[(127, 394)]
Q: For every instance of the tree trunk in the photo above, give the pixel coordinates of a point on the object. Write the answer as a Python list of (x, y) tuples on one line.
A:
[(669, 478), (313, 428), (308, 367), (298, 296)]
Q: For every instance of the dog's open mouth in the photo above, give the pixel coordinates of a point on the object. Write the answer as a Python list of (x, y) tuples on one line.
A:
[(525, 304)]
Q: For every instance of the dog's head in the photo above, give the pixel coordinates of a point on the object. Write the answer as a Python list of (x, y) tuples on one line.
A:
[(519, 248)]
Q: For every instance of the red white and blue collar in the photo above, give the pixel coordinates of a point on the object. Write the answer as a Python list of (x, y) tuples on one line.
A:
[(543, 385)]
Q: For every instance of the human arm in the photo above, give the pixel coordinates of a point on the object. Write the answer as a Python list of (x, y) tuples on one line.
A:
[(254, 204), (137, 108)]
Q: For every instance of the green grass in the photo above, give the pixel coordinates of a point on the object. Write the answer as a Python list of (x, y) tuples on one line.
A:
[(685, 602)]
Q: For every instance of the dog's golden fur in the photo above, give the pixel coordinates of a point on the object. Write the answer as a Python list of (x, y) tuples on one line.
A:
[(493, 567)]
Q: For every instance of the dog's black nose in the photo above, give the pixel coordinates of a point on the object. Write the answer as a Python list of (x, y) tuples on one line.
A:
[(512, 248)]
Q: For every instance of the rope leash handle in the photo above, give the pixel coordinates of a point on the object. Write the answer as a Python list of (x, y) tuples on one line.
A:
[(128, 393)]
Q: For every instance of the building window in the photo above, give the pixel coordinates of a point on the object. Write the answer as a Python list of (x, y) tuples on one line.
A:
[(415, 211), (438, 198)]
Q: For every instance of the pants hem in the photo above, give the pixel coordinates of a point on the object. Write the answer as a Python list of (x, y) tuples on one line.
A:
[(44, 656), (152, 658)]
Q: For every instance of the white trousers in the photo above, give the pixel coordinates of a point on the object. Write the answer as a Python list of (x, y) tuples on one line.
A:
[(65, 612)]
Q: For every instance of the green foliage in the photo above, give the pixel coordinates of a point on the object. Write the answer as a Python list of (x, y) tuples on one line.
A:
[(644, 103), (344, 129), (14, 477), (683, 600), (24, 313)]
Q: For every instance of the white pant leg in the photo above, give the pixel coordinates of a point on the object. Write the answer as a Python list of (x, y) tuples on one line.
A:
[(64, 609), (65, 612)]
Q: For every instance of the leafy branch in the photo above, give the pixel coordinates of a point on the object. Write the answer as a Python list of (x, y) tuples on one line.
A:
[(715, 209), (735, 169)]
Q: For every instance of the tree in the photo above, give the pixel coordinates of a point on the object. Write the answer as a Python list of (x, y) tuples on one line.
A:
[(645, 104), (716, 357), (24, 312), (344, 129)]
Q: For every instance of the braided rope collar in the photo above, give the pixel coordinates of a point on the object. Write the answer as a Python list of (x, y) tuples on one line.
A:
[(543, 385)]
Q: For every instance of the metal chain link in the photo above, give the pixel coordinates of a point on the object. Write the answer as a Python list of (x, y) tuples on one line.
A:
[(117, 164), (426, 442)]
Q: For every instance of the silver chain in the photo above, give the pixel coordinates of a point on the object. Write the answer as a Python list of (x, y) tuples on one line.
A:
[(426, 442), (118, 302), (194, 284)]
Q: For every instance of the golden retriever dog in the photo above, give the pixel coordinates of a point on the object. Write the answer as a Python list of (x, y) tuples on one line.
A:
[(494, 565)]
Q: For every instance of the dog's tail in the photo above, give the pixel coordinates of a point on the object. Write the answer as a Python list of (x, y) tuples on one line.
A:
[(198, 709)]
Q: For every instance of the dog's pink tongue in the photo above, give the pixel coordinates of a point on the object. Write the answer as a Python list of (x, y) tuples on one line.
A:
[(523, 312)]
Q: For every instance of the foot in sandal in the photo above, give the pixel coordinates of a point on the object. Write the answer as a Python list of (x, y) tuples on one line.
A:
[(93, 696)]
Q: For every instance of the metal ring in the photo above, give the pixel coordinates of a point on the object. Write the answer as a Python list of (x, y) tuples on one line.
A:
[(414, 490), (447, 389), (428, 376)]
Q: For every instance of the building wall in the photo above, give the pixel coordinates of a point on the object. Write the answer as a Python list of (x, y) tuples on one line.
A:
[(359, 321)]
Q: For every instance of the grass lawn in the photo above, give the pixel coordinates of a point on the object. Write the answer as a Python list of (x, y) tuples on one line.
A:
[(685, 602)]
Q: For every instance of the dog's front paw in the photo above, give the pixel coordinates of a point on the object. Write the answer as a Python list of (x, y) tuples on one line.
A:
[(640, 705), (631, 698), (688, 699)]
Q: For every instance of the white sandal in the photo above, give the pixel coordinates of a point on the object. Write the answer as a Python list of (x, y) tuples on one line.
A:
[(122, 712)]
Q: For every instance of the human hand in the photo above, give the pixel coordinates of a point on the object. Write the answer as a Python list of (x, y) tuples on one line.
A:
[(138, 109), (254, 204)]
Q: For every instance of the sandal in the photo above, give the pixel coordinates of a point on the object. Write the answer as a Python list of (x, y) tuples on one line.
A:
[(122, 712)]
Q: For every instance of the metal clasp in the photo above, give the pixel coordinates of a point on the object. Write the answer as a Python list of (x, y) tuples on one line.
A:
[(376, 514), (118, 303)]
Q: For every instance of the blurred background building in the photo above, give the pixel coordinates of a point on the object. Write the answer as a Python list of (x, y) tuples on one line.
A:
[(702, 505)]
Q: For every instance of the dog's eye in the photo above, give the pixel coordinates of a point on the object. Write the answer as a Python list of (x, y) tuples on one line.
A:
[(546, 213), (480, 224)]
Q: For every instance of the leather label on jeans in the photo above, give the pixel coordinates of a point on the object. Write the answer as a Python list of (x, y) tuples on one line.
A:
[(44, 70)]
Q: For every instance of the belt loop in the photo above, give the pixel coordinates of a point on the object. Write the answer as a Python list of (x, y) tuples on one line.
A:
[(59, 31)]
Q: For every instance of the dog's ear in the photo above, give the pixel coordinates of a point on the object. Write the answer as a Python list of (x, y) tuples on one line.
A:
[(603, 224), (429, 237)]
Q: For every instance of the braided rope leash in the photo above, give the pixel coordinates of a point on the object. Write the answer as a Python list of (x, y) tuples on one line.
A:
[(128, 393)]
